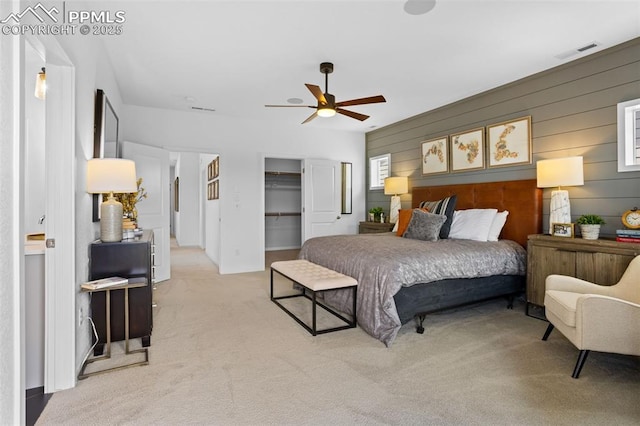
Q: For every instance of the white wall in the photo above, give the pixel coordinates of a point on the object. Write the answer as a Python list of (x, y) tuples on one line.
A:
[(211, 216), (34, 188), (242, 146), (11, 364), (93, 71), (187, 226)]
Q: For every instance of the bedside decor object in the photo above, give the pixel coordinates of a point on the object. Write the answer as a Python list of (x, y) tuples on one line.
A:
[(559, 172), (590, 226), (435, 156), (562, 230), (509, 142), (395, 186), (374, 214), (111, 175), (631, 218), (467, 150)]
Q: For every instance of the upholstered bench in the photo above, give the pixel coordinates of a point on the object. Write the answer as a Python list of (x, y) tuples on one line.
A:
[(313, 279)]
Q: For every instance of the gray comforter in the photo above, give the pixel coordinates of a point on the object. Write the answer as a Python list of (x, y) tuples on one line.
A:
[(382, 263)]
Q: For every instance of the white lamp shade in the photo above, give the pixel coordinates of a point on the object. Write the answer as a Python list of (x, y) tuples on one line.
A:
[(559, 172), (396, 185), (106, 175)]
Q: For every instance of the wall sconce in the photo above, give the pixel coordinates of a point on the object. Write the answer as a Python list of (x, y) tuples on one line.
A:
[(395, 186), (41, 84), (111, 175), (556, 173)]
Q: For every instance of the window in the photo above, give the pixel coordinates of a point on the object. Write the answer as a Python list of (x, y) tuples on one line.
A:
[(629, 136), (379, 169)]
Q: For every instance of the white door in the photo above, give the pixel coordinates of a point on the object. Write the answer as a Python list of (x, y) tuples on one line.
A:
[(321, 194), (152, 165)]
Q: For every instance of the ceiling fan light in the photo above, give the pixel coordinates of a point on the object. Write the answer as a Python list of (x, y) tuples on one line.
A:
[(326, 112)]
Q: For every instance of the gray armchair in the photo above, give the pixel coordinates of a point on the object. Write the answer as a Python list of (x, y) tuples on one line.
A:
[(594, 317)]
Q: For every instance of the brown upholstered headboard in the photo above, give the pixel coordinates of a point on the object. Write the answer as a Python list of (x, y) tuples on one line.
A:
[(521, 198)]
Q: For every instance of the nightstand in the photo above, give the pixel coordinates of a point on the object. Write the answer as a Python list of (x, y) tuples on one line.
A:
[(599, 261), (374, 227)]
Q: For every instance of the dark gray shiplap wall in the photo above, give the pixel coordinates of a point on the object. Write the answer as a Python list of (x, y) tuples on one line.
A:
[(573, 112)]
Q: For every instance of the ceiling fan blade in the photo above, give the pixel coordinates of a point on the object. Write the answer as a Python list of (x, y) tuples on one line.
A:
[(311, 117), (352, 114), (290, 106), (317, 92), (362, 101)]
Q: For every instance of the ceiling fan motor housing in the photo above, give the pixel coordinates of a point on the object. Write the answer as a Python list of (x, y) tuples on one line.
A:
[(326, 67)]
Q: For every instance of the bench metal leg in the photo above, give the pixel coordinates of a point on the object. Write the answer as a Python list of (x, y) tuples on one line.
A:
[(314, 304)]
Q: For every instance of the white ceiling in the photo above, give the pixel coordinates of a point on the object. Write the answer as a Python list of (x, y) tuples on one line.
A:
[(236, 56)]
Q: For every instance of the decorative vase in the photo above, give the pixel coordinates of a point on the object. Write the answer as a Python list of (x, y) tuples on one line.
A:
[(590, 232)]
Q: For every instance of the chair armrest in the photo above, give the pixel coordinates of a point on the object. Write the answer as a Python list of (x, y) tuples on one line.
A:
[(575, 285), (607, 324)]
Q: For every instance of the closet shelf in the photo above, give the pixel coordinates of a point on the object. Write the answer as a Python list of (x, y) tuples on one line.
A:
[(283, 214), (296, 174)]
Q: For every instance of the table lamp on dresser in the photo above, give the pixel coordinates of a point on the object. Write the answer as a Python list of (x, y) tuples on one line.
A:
[(558, 172), (111, 176)]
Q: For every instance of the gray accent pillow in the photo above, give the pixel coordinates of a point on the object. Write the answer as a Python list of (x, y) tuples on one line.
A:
[(424, 226), (446, 206)]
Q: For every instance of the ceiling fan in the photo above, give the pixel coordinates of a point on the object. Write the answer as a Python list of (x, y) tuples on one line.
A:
[(327, 105)]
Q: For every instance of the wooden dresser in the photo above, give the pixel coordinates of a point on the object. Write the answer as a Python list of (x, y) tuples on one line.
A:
[(599, 261), (131, 258)]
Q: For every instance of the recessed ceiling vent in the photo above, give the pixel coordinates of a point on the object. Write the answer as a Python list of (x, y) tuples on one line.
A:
[(587, 47), (577, 51), (202, 109)]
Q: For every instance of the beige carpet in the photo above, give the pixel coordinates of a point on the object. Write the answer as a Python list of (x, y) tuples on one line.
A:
[(222, 353)]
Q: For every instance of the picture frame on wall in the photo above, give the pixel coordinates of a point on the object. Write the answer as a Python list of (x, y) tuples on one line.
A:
[(510, 142), (435, 156), (215, 167), (467, 150)]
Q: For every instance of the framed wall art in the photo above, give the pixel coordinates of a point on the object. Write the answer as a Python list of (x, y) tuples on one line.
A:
[(216, 189), (467, 150), (510, 142), (210, 191), (215, 167), (435, 158), (210, 171)]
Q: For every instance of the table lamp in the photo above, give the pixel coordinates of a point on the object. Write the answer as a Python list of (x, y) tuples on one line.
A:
[(559, 172), (111, 175), (395, 186)]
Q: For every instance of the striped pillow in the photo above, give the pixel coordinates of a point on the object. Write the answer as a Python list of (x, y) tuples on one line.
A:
[(445, 207)]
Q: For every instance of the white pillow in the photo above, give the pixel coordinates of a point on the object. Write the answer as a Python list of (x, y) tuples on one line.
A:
[(497, 225), (472, 224)]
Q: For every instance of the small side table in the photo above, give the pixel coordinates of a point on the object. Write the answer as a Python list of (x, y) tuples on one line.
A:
[(133, 283), (374, 227)]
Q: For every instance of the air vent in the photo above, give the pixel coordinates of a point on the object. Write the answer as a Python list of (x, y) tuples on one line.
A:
[(573, 52), (203, 109), (587, 47)]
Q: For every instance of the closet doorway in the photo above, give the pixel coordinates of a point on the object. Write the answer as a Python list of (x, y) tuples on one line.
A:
[(283, 207)]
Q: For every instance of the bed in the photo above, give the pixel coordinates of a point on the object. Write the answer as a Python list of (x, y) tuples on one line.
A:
[(400, 279)]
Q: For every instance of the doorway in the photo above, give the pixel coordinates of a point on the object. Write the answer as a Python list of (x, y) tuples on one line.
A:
[(283, 204)]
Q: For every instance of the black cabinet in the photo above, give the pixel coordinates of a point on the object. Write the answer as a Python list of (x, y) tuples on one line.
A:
[(131, 258)]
